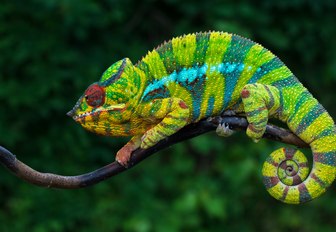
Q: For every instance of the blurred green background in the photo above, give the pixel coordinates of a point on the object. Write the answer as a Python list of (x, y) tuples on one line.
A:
[(51, 50)]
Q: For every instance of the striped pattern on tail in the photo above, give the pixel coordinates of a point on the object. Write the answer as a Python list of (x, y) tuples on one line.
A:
[(308, 120)]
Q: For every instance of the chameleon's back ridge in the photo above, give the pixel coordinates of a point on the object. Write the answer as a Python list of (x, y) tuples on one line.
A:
[(200, 75)]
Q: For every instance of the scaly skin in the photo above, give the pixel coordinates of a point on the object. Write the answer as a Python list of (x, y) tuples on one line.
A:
[(200, 75)]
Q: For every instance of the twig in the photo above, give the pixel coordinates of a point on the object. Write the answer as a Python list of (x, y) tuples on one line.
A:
[(50, 180)]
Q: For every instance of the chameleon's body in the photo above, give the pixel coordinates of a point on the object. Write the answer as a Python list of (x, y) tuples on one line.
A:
[(200, 75)]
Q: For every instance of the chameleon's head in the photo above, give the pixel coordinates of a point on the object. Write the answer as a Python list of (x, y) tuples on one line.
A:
[(108, 103)]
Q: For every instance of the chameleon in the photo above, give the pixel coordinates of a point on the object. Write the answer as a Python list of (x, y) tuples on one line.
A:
[(206, 74)]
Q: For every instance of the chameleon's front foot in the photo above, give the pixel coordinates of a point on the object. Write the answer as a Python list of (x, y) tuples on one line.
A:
[(124, 154)]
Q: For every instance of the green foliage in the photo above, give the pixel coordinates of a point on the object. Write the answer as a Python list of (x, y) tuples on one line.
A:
[(50, 51)]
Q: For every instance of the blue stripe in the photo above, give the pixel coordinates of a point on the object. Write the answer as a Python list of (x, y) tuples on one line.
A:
[(210, 107), (195, 86), (231, 72), (326, 132), (328, 158), (285, 82), (186, 76), (304, 193)]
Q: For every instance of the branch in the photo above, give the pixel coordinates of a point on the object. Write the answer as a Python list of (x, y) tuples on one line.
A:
[(50, 180)]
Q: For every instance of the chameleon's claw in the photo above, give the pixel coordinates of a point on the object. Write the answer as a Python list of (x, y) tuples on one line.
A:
[(224, 130)]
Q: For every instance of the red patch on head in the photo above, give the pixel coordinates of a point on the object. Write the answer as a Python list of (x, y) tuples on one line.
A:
[(245, 93), (183, 105), (95, 95)]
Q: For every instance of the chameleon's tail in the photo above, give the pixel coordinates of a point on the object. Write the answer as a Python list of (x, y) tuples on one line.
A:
[(286, 170)]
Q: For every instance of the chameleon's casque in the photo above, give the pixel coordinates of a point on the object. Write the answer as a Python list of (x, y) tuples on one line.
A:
[(200, 75)]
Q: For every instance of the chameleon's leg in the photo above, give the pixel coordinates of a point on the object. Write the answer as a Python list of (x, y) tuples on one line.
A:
[(171, 113), (260, 101), (124, 154)]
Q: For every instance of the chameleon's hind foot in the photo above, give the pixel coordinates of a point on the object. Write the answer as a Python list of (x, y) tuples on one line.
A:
[(254, 133), (224, 130), (260, 101)]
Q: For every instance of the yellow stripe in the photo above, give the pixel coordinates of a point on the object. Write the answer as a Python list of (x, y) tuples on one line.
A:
[(277, 190), (316, 127), (180, 92), (279, 156), (293, 195), (269, 170), (155, 65), (252, 61), (325, 144), (328, 173), (314, 188), (304, 109), (275, 75), (184, 49), (264, 58), (288, 181), (214, 86), (294, 92), (218, 44)]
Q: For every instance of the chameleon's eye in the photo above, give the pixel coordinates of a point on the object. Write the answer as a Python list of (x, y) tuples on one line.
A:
[(95, 95)]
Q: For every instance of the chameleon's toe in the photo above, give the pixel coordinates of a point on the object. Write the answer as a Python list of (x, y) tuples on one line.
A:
[(224, 130)]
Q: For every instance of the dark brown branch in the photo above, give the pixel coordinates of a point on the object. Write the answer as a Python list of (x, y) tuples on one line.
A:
[(70, 182)]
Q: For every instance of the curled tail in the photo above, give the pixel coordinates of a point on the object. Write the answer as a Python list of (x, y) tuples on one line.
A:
[(286, 172)]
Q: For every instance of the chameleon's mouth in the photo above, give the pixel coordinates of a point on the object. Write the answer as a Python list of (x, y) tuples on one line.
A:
[(81, 116), (87, 117), (70, 113), (95, 112)]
